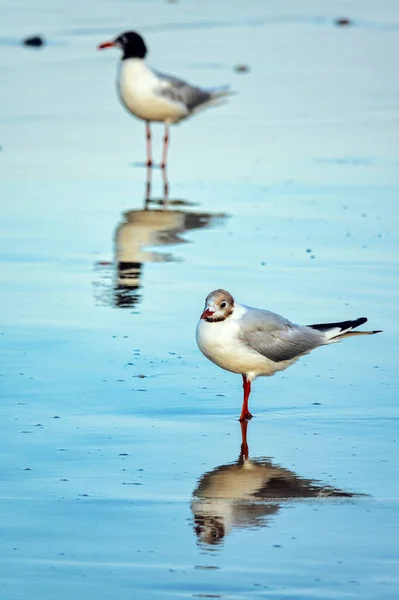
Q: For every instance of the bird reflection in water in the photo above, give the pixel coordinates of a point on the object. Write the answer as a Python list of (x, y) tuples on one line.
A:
[(245, 493), (121, 281)]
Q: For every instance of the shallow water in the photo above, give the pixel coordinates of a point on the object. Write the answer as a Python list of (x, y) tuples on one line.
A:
[(116, 430)]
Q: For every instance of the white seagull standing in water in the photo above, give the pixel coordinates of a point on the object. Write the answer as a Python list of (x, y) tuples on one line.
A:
[(153, 96), (254, 342)]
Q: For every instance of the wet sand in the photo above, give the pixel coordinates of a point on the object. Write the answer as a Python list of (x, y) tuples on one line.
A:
[(115, 429)]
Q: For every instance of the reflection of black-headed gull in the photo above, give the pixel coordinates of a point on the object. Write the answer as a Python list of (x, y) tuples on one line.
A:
[(154, 96), (142, 229), (139, 231), (254, 342), (245, 493)]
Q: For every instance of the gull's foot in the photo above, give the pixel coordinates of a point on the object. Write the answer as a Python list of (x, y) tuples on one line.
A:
[(245, 417)]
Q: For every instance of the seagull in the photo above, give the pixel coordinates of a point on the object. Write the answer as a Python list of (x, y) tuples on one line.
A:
[(255, 342), (153, 96)]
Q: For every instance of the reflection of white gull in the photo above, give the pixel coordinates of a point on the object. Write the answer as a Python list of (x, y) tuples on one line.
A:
[(141, 229), (244, 493), (154, 96), (254, 342)]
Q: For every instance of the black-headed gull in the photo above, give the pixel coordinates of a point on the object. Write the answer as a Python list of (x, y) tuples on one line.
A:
[(254, 342), (153, 96)]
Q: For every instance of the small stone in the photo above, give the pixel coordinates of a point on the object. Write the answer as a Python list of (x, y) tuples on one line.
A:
[(342, 22), (241, 68), (35, 41)]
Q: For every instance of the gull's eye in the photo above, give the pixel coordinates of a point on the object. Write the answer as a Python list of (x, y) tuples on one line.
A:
[(223, 305)]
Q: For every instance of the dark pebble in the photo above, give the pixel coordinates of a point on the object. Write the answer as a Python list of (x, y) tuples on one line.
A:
[(241, 68), (35, 41), (342, 22)]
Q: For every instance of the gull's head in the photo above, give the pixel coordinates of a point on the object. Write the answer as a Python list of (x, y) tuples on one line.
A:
[(209, 529), (130, 42), (219, 305)]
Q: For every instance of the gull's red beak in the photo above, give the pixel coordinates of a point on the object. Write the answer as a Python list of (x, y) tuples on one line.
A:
[(206, 313), (106, 45)]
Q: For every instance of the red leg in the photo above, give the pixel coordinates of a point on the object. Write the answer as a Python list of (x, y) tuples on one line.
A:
[(165, 147), (244, 445), (148, 184), (165, 187), (148, 138), (245, 414)]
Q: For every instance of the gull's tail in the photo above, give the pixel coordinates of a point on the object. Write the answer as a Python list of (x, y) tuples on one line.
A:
[(220, 92), (213, 97), (337, 331)]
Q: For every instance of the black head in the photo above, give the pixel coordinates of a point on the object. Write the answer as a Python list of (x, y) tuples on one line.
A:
[(132, 44)]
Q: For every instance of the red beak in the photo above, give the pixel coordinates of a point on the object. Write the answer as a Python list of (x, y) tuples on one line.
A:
[(206, 313), (106, 45)]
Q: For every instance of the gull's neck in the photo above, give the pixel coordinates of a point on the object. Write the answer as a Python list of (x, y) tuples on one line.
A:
[(129, 58), (238, 311), (133, 68)]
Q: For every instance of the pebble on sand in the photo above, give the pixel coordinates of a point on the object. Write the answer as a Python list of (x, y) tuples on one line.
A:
[(342, 22), (241, 68), (35, 41)]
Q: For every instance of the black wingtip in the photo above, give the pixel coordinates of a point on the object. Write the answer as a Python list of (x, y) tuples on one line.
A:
[(359, 321), (342, 324)]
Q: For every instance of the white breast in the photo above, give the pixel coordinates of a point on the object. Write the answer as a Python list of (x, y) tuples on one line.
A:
[(138, 85), (220, 343)]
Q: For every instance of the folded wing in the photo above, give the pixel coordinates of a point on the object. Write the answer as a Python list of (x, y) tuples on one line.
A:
[(277, 338), (178, 90)]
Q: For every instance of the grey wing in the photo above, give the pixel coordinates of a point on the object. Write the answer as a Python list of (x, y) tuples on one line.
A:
[(180, 91), (275, 337)]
